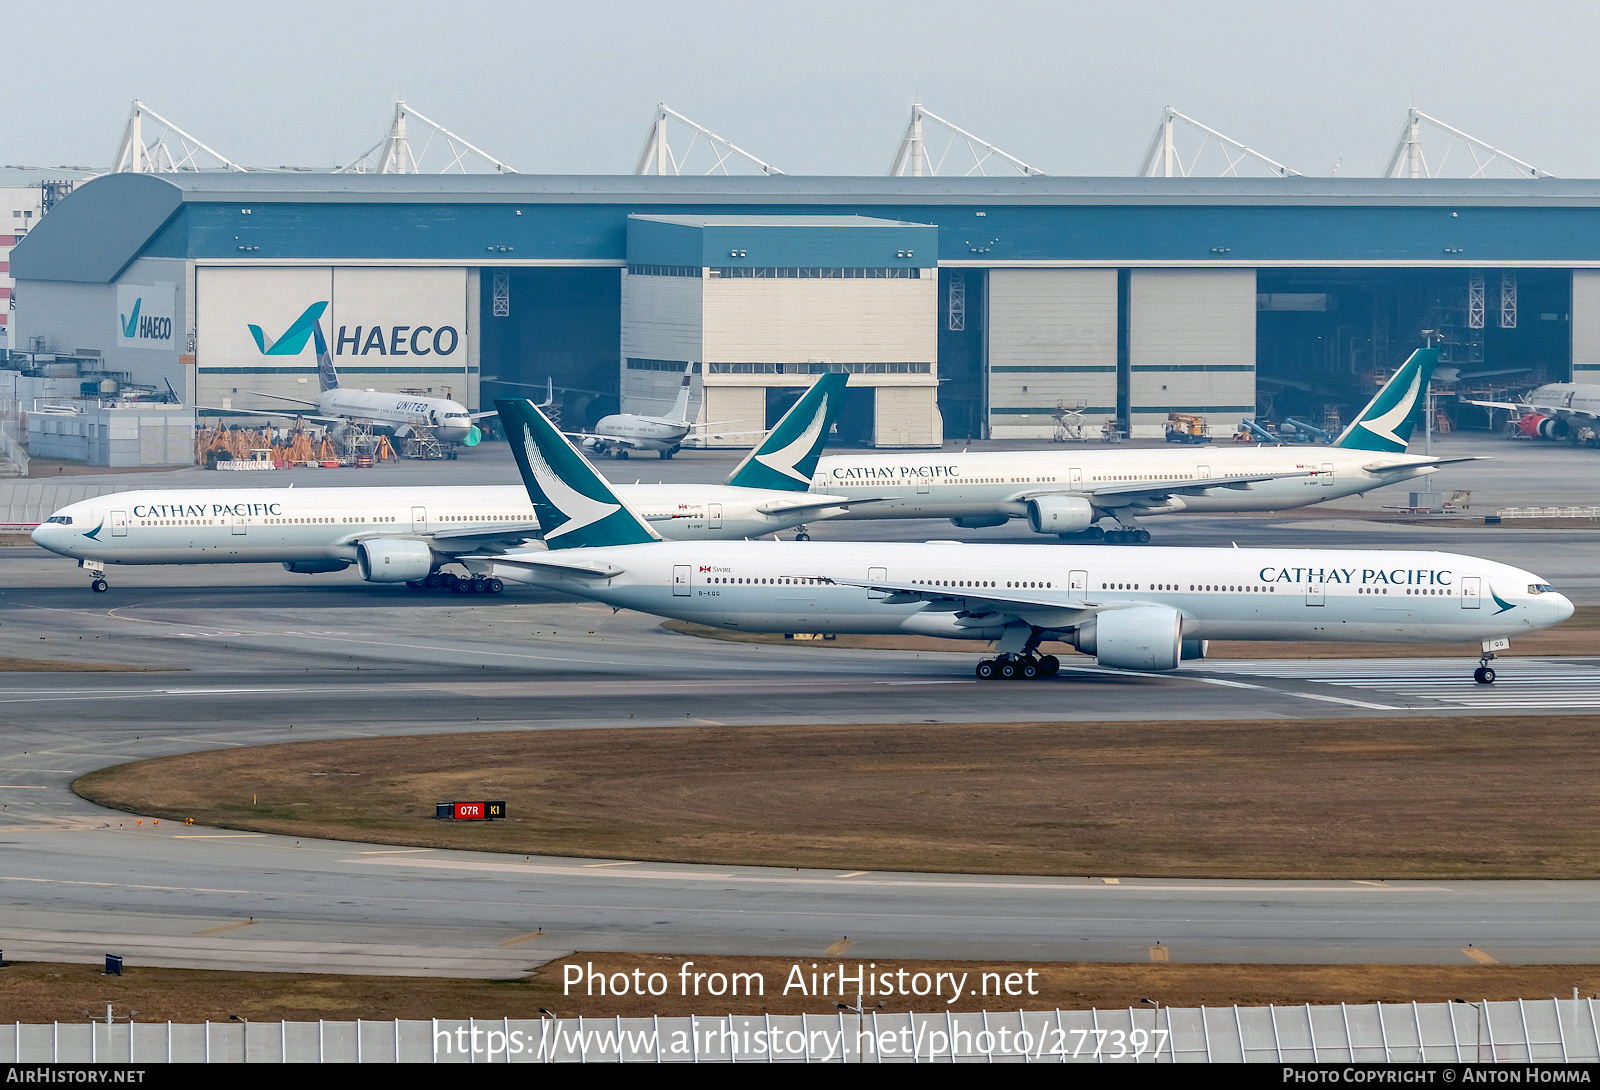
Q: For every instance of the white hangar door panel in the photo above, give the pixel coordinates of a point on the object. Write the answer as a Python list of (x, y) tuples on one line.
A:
[(1191, 347), (1586, 325), (1052, 341)]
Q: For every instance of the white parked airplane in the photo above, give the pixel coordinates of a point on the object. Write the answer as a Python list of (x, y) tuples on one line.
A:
[(1556, 410), (1067, 492), (400, 534), (1133, 609), (622, 434), (397, 415)]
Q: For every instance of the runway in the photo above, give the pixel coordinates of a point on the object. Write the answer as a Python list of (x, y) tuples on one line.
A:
[(253, 655)]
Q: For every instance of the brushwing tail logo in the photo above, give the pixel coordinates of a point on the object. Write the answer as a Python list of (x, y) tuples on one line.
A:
[(1386, 423), (1501, 602), (784, 460), (94, 535), (1384, 426), (579, 510), (130, 322), (294, 339)]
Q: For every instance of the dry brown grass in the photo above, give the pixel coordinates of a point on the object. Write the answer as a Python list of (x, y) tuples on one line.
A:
[(47, 992), (44, 666), (1462, 797)]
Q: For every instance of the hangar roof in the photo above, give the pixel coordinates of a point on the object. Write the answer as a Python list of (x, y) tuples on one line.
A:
[(567, 220)]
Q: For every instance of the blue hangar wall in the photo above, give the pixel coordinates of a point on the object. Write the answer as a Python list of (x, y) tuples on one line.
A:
[(1123, 296)]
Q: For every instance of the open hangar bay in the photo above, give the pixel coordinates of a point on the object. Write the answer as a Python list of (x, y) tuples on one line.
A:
[(261, 650)]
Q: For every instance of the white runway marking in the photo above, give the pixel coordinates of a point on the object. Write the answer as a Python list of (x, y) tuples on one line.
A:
[(1522, 683)]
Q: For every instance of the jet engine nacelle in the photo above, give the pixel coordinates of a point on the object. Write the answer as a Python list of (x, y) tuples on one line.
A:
[(977, 522), (1060, 514), (1140, 638), (394, 561), (314, 567), (1538, 426)]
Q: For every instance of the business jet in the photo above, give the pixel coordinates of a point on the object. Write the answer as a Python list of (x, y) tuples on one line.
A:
[(622, 434), (399, 415), (1146, 610), (1067, 492), (1556, 410), (400, 534)]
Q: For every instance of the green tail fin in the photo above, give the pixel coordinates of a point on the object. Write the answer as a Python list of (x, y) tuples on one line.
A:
[(1389, 418), (574, 504), (787, 457)]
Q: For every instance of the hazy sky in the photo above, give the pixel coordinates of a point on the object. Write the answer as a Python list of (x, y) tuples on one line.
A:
[(814, 87)]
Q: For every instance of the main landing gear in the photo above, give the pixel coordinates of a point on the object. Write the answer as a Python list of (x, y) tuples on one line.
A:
[(1127, 537), (1122, 535), (443, 580), (1018, 667)]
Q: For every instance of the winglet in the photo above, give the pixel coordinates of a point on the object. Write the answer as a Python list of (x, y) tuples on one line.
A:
[(1386, 423), (787, 457), (574, 504)]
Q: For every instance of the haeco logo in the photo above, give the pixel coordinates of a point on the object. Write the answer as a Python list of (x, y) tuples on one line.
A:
[(393, 340), (147, 328)]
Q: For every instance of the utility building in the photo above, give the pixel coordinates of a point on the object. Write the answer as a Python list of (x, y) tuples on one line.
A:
[(766, 303)]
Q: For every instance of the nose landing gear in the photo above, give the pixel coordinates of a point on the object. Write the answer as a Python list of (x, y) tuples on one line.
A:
[(1484, 674)]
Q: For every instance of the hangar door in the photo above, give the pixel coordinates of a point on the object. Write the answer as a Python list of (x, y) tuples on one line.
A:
[(1191, 347), (1052, 341), (1586, 325)]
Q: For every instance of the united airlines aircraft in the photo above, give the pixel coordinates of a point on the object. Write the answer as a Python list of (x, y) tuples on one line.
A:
[(1134, 609), (398, 415), (401, 534), (1068, 492)]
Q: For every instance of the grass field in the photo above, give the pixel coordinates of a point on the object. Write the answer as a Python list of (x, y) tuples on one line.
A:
[(1359, 798), (48, 992)]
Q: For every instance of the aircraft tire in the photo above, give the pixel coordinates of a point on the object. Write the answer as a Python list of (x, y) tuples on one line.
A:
[(623, 455), (985, 670), (1141, 537), (1483, 675), (1049, 666), (1008, 670), (434, 581), (494, 586), (99, 586), (1028, 669)]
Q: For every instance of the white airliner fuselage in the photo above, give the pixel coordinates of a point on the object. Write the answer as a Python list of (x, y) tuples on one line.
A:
[(1246, 594), (327, 527), (399, 414), (1065, 491)]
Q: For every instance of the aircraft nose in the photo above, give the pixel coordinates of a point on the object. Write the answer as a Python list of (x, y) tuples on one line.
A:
[(1564, 608), (47, 535)]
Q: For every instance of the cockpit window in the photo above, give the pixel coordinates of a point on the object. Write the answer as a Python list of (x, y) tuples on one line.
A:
[(1541, 588), (60, 520)]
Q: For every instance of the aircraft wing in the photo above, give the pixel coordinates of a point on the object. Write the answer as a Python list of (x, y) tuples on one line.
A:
[(510, 535), (1532, 407), (614, 440), (563, 563), (1158, 490), (1035, 609), (283, 414), (291, 400), (1379, 467), (804, 501), (485, 416)]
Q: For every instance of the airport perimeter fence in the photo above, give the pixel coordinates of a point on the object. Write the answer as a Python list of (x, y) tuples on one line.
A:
[(13, 456), (1518, 1031)]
